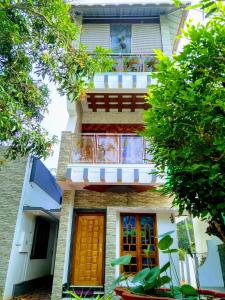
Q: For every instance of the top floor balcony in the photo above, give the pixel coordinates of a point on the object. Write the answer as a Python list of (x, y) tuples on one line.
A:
[(133, 62), (129, 72)]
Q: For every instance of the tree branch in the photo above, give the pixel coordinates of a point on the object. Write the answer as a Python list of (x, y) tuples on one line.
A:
[(27, 9)]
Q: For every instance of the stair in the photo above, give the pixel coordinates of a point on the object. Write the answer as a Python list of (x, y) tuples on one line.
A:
[(83, 291)]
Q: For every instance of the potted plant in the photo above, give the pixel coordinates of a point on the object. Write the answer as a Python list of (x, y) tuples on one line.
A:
[(131, 64), (150, 282)]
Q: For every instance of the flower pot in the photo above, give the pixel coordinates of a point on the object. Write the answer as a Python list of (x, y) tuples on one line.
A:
[(119, 290), (128, 296), (214, 293)]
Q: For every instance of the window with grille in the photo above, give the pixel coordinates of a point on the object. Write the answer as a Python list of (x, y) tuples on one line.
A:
[(137, 232)]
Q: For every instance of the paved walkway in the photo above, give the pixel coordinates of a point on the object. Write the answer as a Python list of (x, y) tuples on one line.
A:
[(36, 295)]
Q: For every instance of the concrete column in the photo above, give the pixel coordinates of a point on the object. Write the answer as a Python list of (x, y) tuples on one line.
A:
[(165, 32), (63, 245)]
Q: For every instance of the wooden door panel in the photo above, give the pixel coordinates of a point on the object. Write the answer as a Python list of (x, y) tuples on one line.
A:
[(88, 250)]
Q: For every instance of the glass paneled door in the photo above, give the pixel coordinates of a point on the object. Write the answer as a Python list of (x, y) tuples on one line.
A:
[(137, 232)]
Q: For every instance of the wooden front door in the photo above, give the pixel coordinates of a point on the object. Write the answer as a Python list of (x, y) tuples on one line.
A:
[(88, 250)]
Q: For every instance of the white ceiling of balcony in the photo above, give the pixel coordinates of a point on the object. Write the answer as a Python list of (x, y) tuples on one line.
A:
[(131, 8), (118, 2)]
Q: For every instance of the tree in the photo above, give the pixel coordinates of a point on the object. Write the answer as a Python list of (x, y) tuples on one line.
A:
[(186, 122), (37, 42)]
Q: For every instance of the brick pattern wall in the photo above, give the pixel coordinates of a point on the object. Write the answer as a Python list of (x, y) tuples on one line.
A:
[(64, 232), (11, 184), (110, 247)]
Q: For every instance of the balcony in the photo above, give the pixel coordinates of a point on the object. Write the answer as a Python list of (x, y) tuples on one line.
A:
[(129, 72), (133, 63), (109, 149), (111, 159)]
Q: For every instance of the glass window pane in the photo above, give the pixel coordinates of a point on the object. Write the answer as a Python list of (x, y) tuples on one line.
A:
[(137, 235), (87, 149), (121, 38), (148, 156), (132, 149), (107, 149)]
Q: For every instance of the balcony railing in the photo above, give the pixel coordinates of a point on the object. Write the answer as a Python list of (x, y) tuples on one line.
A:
[(133, 62), (109, 149)]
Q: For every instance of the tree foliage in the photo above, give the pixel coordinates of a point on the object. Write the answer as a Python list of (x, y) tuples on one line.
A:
[(186, 122), (37, 42)]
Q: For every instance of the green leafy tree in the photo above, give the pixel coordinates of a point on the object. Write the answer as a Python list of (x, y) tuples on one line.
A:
[(186, 122), (37, 42)]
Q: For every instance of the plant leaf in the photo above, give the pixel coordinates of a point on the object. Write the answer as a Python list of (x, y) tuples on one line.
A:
[(119, 279), (166, 233), (141, 275), (176, 290), (122, 260), (137, 290), (153, 274), (170, 251), (188, 290), (165, 242), (165, 267), (164, 279)]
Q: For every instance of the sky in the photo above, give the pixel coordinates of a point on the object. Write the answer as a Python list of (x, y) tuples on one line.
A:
[(55, 121)]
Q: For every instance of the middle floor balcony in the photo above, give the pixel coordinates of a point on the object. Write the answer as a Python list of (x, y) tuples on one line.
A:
[(111, 159)]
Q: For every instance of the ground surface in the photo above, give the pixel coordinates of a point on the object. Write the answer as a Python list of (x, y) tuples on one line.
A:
[(36, 295)]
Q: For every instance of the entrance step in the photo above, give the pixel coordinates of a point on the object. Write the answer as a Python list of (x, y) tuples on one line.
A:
[(83, 291)]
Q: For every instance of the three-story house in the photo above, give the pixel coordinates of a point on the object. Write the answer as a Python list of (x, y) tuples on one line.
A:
[(110, 205)]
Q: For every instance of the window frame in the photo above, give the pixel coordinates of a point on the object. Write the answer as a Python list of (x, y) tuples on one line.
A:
[(138, 251), (121, 53)]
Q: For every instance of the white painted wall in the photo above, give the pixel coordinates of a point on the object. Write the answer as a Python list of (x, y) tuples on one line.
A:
[(21, 267), (210, 273), (34, 196), (201, 237)]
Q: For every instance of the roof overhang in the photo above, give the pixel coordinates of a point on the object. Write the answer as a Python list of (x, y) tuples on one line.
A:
[(124, 9), (52, 214)]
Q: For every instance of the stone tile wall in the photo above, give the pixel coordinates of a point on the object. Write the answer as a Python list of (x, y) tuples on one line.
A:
[(64, 232), (84, 199), (11, 184), (148, 199), (65, 153)]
